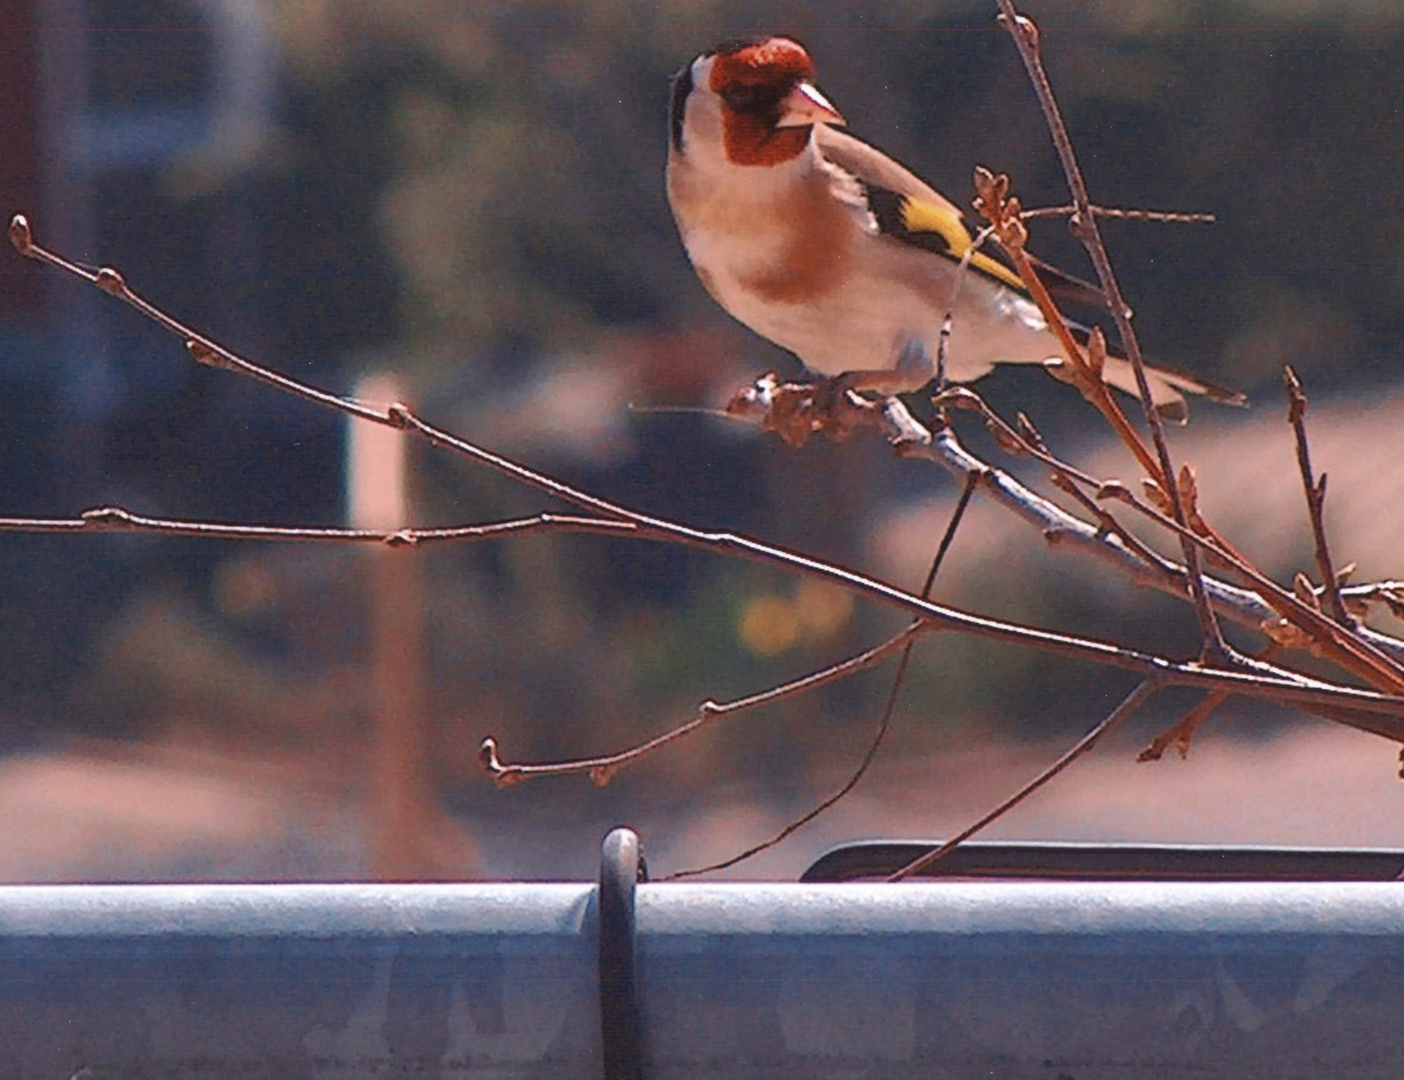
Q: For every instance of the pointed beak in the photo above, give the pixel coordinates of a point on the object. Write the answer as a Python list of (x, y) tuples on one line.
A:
[(804, 105)]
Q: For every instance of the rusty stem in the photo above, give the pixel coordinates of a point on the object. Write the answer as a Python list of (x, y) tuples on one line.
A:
[(1315, 491), (1085, 227)]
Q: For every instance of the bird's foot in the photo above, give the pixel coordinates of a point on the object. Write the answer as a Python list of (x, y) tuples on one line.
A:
[(799, 411)]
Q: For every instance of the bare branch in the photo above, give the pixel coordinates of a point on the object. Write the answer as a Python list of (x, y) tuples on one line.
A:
[(884, 725), (910, 439), (1083, 370), (1129, 704), (602, 769), (1315, 491), (1168, 217), (1253, 609), (1380, 713), (1355, 652), (1182, 732), (109, 519), (1084, 226)]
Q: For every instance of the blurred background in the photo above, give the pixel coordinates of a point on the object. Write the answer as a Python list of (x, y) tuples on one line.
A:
[(467, 198)]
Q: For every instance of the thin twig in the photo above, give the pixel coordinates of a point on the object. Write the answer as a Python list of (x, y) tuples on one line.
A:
[(912, 440), (1182, 732), (1352, 650), (1109, 523), (1366, 709), (1064, 476), (1168, 217), (1390, 593), (202, 349), (109, 519), (1003, 212), (1084, 225), (884, 725), (1349, 649), (602, 768), (1315, 490), (1129, 704)]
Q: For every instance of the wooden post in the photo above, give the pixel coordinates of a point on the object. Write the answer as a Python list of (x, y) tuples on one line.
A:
[(400, 794)]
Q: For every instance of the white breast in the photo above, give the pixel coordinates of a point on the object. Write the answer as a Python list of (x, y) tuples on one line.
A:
[(739, 223)]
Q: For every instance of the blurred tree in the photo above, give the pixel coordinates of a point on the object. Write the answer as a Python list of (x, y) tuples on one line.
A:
[(472, 194)]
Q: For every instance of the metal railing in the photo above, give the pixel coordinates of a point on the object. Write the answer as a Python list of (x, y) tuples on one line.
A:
[(1017, 978)]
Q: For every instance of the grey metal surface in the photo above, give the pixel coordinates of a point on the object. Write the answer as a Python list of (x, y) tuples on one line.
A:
[(1009, 860), (157, 982), (933, 980), (1044, 981)]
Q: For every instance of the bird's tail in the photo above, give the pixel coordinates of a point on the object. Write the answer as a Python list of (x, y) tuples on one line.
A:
[(1168, 387)]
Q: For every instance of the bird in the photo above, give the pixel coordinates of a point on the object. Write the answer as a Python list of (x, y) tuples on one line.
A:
[(821, 243)]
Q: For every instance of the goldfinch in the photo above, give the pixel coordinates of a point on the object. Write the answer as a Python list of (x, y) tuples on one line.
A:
[(824, 245)]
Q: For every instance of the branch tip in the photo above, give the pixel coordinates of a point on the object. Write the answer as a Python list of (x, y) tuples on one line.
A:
[(1189, 488), (20, 236), (1296, 396), (502, 775), (1096, 351), (1029, 432), (1026, 27)]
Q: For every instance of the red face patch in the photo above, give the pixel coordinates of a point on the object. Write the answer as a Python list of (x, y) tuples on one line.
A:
[(777, 62), (752, 78)]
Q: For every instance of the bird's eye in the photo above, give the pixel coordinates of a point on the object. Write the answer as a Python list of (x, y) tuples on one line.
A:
[(753, 99), (740, 97)]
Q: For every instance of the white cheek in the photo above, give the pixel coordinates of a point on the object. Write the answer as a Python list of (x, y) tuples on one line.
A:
[(702, 131)]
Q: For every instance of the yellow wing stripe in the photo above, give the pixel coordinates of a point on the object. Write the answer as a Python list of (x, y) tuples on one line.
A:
[(921, 216)]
